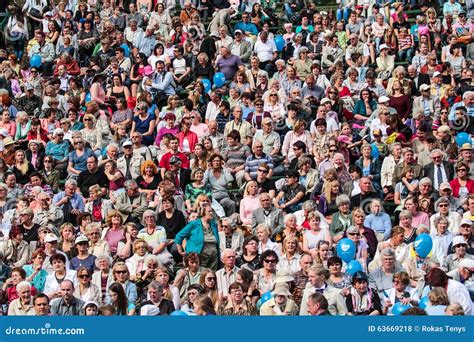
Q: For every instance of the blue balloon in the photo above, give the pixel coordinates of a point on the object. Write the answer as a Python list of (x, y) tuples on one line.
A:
[(178, 313), (88, 97), (35, 60), (463, 138), (423, 245), (207, 85), (266, 297), (346, 249), (423, 303), (399, 308), (279, 42), (375, 153), (353, 266), (126, 49), (219, 79)]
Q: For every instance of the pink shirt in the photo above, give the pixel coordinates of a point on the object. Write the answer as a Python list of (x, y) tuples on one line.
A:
[(420, 218), (113, 237), (247, 206)]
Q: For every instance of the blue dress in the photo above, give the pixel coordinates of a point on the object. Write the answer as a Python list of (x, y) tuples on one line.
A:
[(142, 126)]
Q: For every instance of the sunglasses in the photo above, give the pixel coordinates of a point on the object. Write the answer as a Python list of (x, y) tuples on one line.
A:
[(262, 170), (83, 276), (442, 205), (121, 271), (354, 234), (461, 170), (87, 119), (270, 261)]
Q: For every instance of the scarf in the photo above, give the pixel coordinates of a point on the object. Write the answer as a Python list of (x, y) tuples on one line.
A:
[(361, 304)]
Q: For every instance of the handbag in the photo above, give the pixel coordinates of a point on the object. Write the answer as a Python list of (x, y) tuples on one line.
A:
[(35, 13)]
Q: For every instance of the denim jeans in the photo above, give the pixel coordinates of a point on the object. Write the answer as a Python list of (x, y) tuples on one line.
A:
[(343, 13)]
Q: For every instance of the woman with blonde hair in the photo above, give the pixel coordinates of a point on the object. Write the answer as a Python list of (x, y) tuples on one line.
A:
[(327, 201), (438, 302), (91, 134), (66, 240), (289, 261), (22, 168), (114, 232), (97, 246), (249, 203), (274, 103)]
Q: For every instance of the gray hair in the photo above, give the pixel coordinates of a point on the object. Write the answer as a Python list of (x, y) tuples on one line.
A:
[(151, 257), (303, 160), (436, 151), (155, 286), (441, 219), (422, 228), (230, 221), (342, 199), (129, 183), (395, 144), (425, 180), (4, 186), (112, 145), (388, 252), (149, 212), (287, 217), (101, 257), (264, 226), (308, 205), (467, 94), (22, 285), (70, 182)]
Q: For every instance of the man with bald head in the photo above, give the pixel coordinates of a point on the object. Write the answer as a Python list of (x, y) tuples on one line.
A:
[(67, 304), (216, 137)]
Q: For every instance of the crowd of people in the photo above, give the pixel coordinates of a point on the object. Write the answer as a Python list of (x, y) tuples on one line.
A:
[(206, 157)]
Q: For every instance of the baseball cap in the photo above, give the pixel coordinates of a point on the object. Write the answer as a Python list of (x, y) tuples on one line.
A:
[(50, 237), (29, 86), (459, 240), (384, 46), (444, 186), (81, 238), (436, 74), (325, 100), (238, 31), (466, 222), (424, 87), (383, 99)]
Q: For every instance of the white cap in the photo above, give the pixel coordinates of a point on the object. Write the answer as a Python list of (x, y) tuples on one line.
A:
[(81, 238), (384, 46), (466, 222), (459, 240), (467, 263), (50, 237), (436, 74), (383, 99)]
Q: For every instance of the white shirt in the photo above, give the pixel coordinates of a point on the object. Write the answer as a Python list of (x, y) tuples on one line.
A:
[(265, 51), (458, 293)]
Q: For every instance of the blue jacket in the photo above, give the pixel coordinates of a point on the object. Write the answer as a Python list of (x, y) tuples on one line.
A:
[(380, 223), (194, 235)]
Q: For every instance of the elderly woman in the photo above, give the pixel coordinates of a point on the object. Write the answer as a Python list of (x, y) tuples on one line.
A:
[(312, 237), (103, 277), (218, 178), (360, 299), (230, 237), (342, 219), (442, 239), (289, 230), (263, 232), (337, 278), (15, 250), (266, 276), (156, 238), (146, 275), (401, 292), (443, 209), (35, 274), (459, 247), (97, 206), (60, 273), (236, 304), (281, 303), (201, 237), (97, 246)]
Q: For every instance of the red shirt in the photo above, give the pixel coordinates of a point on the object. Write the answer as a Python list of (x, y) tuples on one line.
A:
[(165, 160)]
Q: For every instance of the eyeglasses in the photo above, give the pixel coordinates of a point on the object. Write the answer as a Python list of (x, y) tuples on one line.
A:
[(225, 226), (273, 94), (332, 150), (82, 243), (83, 276), (442, 205), (354, 234), (121, 271), (94, 233), (461, 170), (259, 105), (78, 142), (332, 92), (270, 261), (87, 119), (262, 170)]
